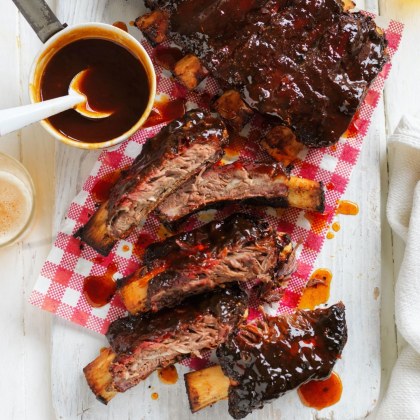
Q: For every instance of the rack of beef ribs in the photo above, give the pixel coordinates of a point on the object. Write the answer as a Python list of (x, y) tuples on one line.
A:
[(266, 358), (238, 249), (253, 183), (140, 345), (308, 63), (175, 154)]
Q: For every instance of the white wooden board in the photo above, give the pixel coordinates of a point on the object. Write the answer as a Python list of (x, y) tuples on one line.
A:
[(354, 257)]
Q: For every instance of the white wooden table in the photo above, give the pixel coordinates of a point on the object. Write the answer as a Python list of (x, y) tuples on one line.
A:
[(26, 332)]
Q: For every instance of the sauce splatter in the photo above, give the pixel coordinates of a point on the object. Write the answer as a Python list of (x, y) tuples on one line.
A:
[(318, 221), (347, 208), (167, 57), (155, 396), (168, 375), (125, 248), (336, 226), (165, 110), (99, 290), (131, 23), (330, 186), (330, 235), (317, 290), (120, 25), (321, 394), (102, 189)]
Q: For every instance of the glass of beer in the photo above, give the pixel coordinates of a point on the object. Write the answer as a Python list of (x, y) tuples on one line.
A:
[(16, 200)]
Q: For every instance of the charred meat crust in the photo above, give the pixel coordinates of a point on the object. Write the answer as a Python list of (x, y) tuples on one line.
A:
[(174, 155), (237, 249), (250, 183), (147, 342), (264, 359), (307, 62)]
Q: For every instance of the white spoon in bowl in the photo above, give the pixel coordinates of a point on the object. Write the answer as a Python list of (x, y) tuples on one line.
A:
[(13, 119)]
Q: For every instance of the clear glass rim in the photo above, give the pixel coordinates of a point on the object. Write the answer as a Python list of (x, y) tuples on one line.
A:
[(26, 226)]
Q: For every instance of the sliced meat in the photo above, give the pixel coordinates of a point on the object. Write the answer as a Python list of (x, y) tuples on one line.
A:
[(261, 183), (174, 155), (238, 249), (308, 63), (142, 344)]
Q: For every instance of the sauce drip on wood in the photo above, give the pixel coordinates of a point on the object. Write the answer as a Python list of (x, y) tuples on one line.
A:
[(321, 394), (120, 25), (165, 110), (347, 208), (155, 396), (168, 375), (317, 290), (115, 82), (336, 226), (330, 235), (102, 188), (167, 57), (99, 290)]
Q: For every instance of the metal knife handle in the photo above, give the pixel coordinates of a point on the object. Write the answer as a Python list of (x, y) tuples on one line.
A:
[(39, 15)]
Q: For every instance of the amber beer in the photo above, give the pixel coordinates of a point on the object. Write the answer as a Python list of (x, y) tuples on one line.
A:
[(16, 200)]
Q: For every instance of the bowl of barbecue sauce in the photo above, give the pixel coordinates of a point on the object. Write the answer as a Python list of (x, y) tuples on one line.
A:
[(120, 79)]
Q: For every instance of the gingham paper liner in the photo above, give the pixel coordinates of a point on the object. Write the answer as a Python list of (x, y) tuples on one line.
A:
[(60, 283)]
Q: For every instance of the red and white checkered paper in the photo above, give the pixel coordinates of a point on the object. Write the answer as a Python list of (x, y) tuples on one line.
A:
[(60, 283)]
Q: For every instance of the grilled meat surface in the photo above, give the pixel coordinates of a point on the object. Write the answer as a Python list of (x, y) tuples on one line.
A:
[(264, 359), (174, 155), (145, 343), (307, 62), (255, 183), (237, 249)]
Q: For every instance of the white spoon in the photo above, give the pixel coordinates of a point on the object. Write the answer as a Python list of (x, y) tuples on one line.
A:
[(13, 119)]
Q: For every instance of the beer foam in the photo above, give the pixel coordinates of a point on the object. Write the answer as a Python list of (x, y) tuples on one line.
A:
[(15, 206)]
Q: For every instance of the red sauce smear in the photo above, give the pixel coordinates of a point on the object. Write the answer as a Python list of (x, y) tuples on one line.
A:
[(318, 221), (165, 111), (102, 188), (120, 25), (168, 375), (167, 57), (347, 208), (321, 394), (317, 290), (99, 290)]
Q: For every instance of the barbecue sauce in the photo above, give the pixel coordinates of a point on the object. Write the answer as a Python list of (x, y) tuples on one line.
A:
[(317, 290), (155, 396), (165, 110), (347, 208), (116, 82), (121, 25), (321, 394), (168, 375), (102, 188), (167, 57), (318, 221), (99, 290)]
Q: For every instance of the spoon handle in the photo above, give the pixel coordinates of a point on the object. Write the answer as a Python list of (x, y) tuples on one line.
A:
[(40, 17), (13, 119)]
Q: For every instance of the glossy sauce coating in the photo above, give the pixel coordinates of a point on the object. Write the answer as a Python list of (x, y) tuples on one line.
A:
[(308, 63), (317, 290), (99, 290), (321, 394), (269, 357), (167, 57), (168, 375), (116, 81)]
